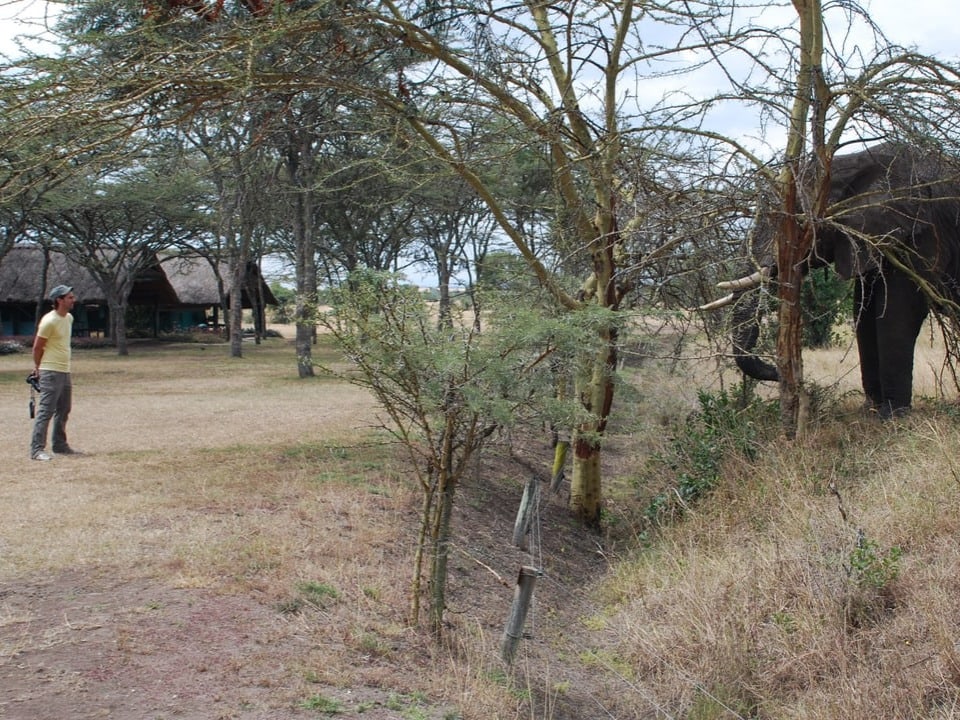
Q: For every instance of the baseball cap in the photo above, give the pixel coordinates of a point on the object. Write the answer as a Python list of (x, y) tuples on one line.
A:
[(59, 291)]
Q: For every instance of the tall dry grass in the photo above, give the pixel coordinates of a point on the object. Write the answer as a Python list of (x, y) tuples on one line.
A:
[(818, 581)]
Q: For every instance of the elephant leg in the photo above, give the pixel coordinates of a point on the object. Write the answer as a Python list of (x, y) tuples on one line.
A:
[(865, 320), (894, 309)]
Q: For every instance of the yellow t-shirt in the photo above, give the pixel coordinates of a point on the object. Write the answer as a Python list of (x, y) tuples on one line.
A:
[(57, 330)]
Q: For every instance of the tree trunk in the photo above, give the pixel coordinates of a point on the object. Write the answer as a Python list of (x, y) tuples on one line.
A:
[(796, 239), (424, 533), (444, 311), (447, 484), (118, 321), (306, 281), (236, 310), (586, 480), (789, 336), (441, 553), (254, 290)]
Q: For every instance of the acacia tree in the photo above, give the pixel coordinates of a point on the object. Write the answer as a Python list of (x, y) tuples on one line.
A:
[(444, 391), (554, 72), (237, 172), (453, 229)]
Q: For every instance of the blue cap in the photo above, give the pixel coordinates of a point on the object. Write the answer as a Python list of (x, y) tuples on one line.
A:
[(59, 291)]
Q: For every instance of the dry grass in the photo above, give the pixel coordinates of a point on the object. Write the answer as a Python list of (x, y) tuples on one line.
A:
[(213, 476), (212, 483), (754, 606)]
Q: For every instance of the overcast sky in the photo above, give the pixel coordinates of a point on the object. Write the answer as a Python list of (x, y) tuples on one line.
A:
[(928, 25)]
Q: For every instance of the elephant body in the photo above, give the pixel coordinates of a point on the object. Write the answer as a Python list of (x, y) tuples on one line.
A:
[(892, 224)]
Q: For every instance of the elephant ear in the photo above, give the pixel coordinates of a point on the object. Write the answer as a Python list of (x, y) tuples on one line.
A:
[(861, 195)]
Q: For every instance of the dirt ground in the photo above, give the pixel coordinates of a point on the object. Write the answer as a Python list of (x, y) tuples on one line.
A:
[(101, 617)]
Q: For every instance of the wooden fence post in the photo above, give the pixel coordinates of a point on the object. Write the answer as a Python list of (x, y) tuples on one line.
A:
[(522, 524), (518, 612)]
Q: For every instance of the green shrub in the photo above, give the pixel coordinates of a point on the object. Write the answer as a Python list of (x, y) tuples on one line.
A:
[(872, 569), (871, 573), (698, 448), (825, 298)]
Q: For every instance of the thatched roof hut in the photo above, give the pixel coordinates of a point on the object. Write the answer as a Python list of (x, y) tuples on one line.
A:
[(195, 283), (181, 288), (24, 280)]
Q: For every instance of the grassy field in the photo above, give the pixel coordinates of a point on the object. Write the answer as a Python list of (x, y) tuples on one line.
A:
[(236, 543)]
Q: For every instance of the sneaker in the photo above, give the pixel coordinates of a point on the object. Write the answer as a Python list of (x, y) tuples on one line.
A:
[(42, 456), (67, 451)]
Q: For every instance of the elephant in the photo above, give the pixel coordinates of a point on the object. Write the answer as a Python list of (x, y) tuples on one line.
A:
[(892, 223)]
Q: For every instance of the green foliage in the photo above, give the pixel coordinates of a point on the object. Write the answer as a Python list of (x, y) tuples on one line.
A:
[(309, 593), (444, 387), (872, 569), (286, 297), (695, 457), (505, 272), (721, 702), (424, 373), (317, 593), (871, 573), (825, 298), (321, 704)]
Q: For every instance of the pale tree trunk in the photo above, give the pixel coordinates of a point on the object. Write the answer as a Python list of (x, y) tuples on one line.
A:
[(438, 574), (595, 389), (236, 317), (795, 239), (238, 275), (306, 281), (586, 479), (297, 164)]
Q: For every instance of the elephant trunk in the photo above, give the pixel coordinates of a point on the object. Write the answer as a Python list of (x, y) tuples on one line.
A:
[(746, 331)]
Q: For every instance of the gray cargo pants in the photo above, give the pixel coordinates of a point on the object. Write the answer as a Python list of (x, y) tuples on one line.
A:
[(56, 400)]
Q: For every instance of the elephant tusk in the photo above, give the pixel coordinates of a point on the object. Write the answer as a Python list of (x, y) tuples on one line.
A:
[(716, 304), (747, 282)]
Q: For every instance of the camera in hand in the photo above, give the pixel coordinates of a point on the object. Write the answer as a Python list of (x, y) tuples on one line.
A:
[(33, 381)]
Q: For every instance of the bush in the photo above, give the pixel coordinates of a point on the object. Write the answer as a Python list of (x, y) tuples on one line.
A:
[(825, 299), (11, 347), (696, 454), (871, 573)]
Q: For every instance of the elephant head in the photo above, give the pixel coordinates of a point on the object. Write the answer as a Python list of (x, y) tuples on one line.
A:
[(892, 223)]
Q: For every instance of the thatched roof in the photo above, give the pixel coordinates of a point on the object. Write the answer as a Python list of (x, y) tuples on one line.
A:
[(175, 282), (22, 277), (195, 282)]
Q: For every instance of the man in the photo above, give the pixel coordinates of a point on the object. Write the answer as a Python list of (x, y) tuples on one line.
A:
[(51, 360)]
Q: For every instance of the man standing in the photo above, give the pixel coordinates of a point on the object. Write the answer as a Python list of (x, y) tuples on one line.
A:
[(51, 360)]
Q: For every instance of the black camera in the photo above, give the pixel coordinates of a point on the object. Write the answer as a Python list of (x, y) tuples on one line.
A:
[(33, 381)]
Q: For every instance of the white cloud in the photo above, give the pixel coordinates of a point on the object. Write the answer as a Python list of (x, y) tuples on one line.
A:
[(928, 25), (24, 19)]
